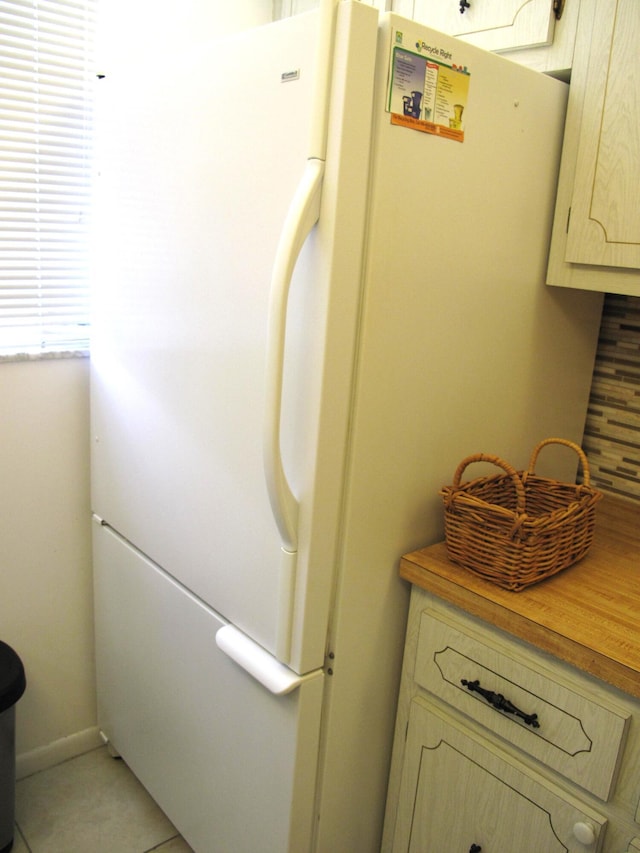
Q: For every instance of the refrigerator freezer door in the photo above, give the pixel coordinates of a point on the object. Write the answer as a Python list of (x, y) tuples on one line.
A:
[(231, 764)]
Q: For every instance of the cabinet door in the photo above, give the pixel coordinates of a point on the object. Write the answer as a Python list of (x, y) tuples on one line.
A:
[(458, 791), (491, 24), (604, 226)]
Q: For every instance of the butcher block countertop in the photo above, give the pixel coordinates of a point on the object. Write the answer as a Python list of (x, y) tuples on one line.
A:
[(587, 615)]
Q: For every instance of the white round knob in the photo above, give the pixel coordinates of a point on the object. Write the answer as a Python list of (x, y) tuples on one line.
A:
[(584, 832)]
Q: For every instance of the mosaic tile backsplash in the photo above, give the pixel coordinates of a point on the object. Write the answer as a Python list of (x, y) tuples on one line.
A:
[(612, 430)]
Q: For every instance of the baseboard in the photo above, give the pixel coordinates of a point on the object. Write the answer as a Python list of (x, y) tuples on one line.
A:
[(60, 750)]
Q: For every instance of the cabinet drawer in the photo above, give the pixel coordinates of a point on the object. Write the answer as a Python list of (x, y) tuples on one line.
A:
[(567, 728), (460, 793)]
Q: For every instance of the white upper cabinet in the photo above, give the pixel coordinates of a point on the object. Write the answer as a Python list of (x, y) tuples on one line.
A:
[(596, 232), (492, 24), (604, 227), (536, 33)]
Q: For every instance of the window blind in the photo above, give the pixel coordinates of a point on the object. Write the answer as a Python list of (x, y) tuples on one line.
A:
[(46, 90)]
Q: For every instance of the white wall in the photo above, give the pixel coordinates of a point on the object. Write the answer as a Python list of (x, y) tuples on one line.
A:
[(46, 610)]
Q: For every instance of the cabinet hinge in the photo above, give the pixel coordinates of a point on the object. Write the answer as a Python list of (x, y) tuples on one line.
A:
[(558, 8)]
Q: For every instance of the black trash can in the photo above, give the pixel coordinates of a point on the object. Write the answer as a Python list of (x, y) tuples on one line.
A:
[(12, 686)]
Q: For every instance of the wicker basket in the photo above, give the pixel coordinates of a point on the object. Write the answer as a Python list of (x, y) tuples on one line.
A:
[(518, 528)]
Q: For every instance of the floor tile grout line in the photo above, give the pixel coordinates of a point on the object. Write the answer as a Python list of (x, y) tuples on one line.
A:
[(162, 843), (23, 837)]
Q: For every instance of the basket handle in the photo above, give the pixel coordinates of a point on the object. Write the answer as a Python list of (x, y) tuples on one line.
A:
[(508, 469), (586, 477)]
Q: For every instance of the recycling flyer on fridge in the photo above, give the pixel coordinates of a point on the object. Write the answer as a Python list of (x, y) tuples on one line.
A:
[(427, 90)]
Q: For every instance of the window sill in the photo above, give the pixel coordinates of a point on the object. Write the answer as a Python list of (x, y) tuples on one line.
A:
[(43, 356)]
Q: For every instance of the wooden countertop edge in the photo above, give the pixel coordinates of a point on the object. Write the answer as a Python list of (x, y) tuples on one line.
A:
[(541, 637)]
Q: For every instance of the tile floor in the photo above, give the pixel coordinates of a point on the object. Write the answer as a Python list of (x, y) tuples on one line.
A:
[(90, 804)]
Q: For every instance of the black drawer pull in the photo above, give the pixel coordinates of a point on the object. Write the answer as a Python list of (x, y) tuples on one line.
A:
[(500, 703), (475, 848)]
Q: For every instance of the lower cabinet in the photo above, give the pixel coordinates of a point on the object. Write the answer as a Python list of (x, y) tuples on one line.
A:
[(458, 793), (500, 747)]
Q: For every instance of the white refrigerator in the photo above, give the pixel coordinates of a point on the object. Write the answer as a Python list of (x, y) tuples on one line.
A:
[(304, 318)]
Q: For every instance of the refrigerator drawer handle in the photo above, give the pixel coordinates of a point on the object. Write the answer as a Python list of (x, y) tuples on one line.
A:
[(273, 675)]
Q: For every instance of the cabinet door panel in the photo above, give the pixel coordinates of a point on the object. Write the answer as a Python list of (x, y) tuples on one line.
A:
[(457, 790), (500, 25), (492, 801), (604, 227)]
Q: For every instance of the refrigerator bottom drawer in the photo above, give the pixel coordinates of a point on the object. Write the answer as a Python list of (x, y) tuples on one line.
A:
[(232, 765)]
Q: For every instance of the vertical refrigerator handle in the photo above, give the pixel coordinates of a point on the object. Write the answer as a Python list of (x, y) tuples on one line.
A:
[(302, 215)]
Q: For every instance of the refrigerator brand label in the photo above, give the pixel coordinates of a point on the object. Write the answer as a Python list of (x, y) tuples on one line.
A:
[(287, 76), (427, 90)]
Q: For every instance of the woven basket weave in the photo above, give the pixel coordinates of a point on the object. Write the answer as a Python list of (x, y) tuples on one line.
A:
[(517, 528)]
